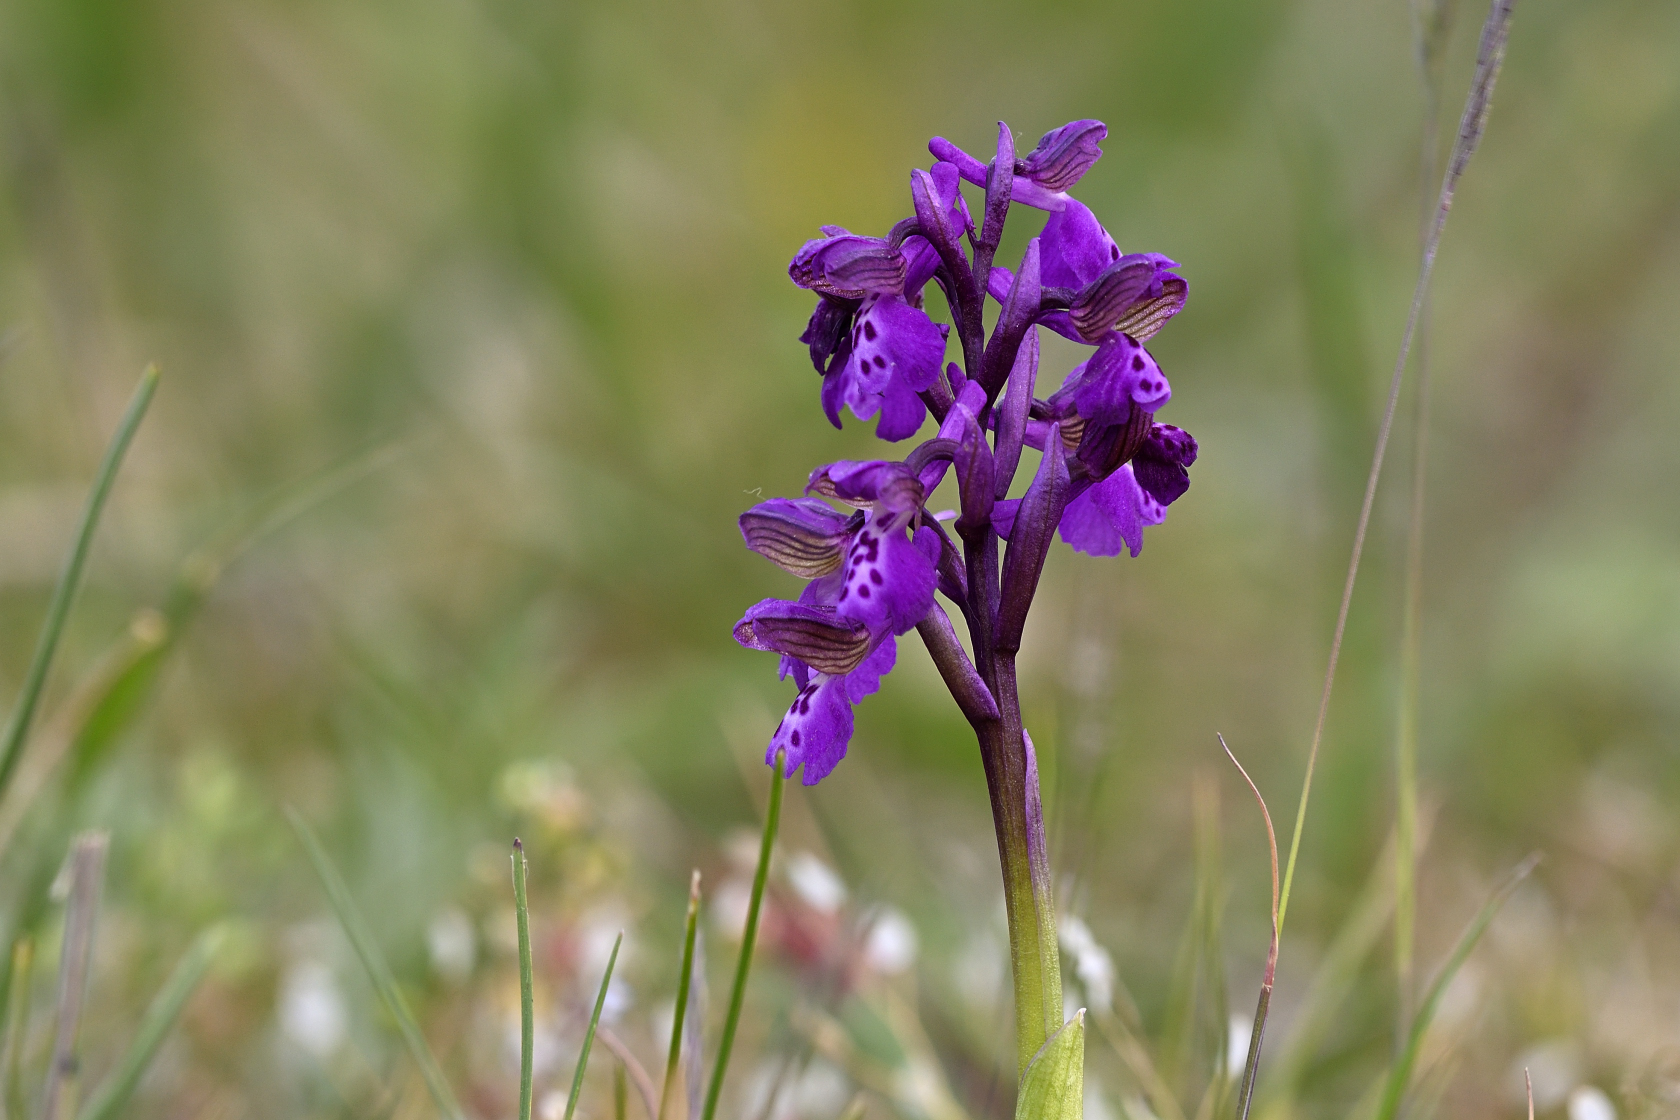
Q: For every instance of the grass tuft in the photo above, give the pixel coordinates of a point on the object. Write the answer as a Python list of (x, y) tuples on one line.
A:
[(58, 611)]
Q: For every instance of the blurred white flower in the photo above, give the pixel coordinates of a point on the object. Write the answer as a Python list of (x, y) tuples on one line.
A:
[(729, 908), (1236, 1046), (1589, 1102), (1092, 964), (823, 1091), (551, 1105), (891, 946), (816, 883), (452, 944), (311, 1009)]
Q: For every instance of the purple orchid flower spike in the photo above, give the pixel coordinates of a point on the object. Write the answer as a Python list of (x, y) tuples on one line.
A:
[(872, 578), (1106, 470)]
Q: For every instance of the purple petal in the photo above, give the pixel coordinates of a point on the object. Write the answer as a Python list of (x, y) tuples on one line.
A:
[(1110, 515), (902, 412), (816, 730), (893, 346), (1012, 413), (1076, 248), (1160, 464), (865, 680), (1066, 153)]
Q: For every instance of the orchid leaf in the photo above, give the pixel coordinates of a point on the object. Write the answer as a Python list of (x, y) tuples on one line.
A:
[(1053, 1087)]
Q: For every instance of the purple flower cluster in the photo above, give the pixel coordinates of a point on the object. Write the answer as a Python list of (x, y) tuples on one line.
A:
[(1107, 469)]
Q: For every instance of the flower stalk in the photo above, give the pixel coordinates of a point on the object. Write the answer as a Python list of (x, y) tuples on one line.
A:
[(1106, 470)]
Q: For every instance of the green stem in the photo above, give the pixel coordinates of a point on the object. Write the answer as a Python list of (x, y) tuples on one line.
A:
[(738, 992), (1029, 902), (683, 981), (527, 998)]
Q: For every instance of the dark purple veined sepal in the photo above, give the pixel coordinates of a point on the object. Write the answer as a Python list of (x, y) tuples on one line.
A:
[(849, 266), (1064, 154), (802, 536), (1105, 300), (825, 640)]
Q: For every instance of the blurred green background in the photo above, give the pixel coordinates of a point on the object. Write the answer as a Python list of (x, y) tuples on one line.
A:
[(476, 337)]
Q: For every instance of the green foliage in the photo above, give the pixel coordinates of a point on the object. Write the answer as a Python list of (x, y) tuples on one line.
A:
[(1053, 1087)]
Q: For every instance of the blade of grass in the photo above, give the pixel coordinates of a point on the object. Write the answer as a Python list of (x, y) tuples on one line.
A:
[(1431, 20), (693, 1061), (690, 930), (17, 1023), (378, 970), (58, 611), (81, 912), (589, 1034), (1489, 57), (738, 991), (1251, 1067), (112, 1098), (621, 1092), (527, 999), (1400, 1074)]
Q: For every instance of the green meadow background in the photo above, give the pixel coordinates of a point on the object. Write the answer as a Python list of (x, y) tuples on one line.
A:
[(476, 337)]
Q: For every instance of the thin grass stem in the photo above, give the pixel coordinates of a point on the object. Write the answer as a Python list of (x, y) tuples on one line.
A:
[(589, 1032), (1429, 18), (738, 992), (621, 1092), (64, 595), (378, 970), (527, 999), (690, 930), (81, 913), (1400, 1074), (113, 1096), (1251, 1067), (1490, 56)]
